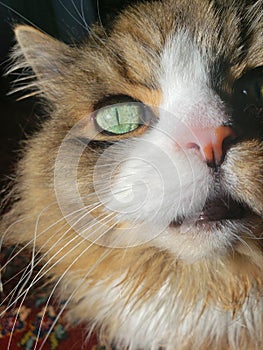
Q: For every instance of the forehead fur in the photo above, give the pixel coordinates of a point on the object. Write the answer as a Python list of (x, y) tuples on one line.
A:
[(222, 32), (126, 59)]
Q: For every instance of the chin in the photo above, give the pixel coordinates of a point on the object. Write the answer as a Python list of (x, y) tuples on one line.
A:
[(197, 241)]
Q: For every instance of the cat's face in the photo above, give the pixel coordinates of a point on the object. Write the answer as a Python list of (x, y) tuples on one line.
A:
[(163, 124), (147, 176)]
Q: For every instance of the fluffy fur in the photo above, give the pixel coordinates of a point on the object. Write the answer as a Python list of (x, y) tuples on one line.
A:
[(114, 217)]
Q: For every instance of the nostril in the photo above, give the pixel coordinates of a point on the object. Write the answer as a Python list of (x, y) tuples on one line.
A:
[(212, 143), (228, 143), (192, 145), (224, 138)]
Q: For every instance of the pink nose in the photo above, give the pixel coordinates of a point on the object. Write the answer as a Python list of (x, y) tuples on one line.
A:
[(210, 142)]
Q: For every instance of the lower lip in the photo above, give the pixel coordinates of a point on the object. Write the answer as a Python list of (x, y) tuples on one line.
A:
[(208, 221)]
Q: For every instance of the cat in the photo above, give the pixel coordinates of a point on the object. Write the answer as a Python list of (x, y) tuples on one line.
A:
[(143, 189)]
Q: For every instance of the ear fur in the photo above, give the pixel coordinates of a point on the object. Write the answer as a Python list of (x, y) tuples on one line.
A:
[(48, 57)]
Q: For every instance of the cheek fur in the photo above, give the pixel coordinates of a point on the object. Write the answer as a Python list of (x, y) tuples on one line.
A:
[(243, 174)]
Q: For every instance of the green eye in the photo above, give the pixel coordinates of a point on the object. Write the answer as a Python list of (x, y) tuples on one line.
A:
[(120, 118), (249, 88)]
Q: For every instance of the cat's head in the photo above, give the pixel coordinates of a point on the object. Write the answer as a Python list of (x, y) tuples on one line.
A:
[(155, 135)]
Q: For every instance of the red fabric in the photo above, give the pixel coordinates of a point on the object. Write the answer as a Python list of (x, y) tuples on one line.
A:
[(34, 322)]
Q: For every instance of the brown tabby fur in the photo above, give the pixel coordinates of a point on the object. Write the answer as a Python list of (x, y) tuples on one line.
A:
[(124, 60)]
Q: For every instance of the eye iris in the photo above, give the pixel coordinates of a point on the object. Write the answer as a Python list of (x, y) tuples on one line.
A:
[(120, 119), (261, 93)]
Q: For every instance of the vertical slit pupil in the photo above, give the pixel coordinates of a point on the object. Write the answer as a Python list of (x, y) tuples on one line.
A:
[(117, 116)]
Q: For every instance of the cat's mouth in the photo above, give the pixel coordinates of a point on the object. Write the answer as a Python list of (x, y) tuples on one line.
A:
[(217, 210)]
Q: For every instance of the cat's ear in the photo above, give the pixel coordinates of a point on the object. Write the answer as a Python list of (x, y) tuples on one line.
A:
[(48, 57)]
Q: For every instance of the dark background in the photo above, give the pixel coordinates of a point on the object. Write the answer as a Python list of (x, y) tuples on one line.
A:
[(66, 20)]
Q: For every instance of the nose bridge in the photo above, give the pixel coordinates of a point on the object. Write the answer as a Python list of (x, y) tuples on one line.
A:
[(210, 142)]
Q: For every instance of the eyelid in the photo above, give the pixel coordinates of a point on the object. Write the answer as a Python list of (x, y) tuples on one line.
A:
[(109, 100)]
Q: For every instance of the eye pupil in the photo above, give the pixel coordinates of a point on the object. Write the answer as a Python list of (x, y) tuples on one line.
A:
[(259, 90), (117, 116)]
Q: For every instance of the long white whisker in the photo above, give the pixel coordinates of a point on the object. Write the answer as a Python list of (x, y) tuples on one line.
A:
[(32, 265), (36, 280), (38, 275), (72, 16), (82, 13), (42, 232), (72, 294), (76, 288), (45, 230), (19, 14)]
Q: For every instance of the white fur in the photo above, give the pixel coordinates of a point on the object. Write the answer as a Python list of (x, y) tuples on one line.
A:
[(184, 80), (165, 319)]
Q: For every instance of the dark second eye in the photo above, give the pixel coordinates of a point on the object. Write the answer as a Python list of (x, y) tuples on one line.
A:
[(122, 115), (248, 90)]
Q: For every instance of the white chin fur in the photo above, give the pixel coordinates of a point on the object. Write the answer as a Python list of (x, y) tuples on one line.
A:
[(192, 243)]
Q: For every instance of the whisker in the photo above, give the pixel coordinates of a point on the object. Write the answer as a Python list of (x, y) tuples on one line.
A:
[(82, 13), (27, 274), (71, 295), (42, 232), (46, 242), (76, 288), (72, 16), (37, 278), (20, 15), (24, 247), (53, 290)]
